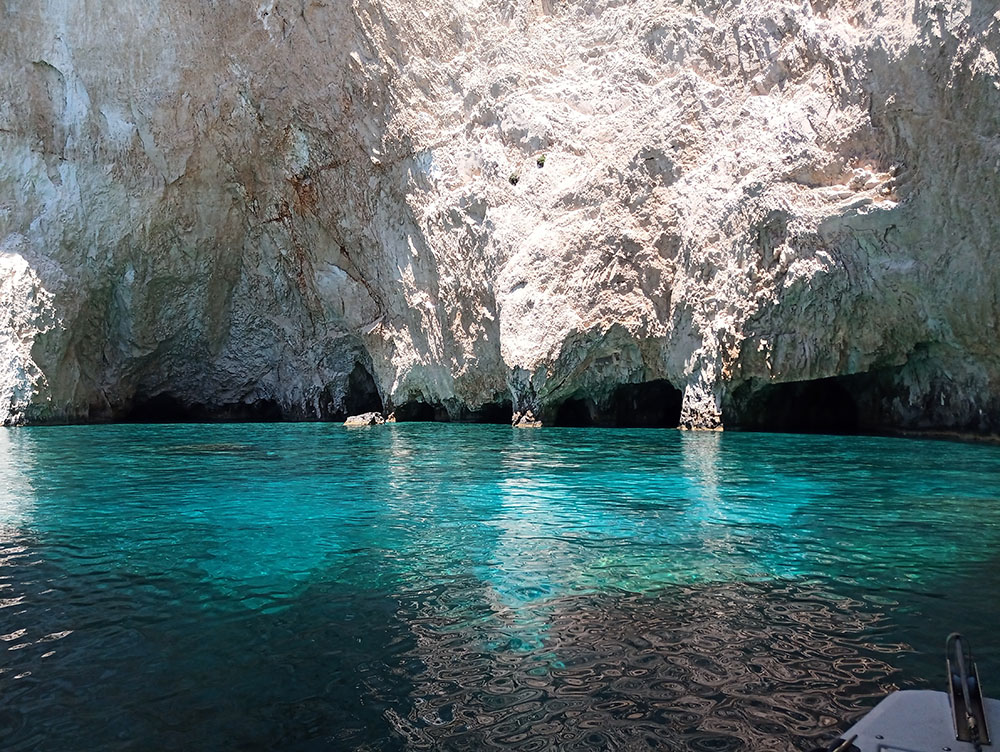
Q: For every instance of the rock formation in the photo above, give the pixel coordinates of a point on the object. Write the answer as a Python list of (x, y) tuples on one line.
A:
[(737, 213), (365, 419)]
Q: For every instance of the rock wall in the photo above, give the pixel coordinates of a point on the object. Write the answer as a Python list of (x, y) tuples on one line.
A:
[(588, 209)]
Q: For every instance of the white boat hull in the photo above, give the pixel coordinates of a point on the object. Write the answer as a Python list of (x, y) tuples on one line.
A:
[(917, 721)]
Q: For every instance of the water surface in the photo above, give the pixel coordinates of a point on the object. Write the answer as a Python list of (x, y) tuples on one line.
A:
[(428, 586)]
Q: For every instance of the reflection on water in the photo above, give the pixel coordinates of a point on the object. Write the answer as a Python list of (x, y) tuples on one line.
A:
[(465, 587), (17, 499), (752, 666)]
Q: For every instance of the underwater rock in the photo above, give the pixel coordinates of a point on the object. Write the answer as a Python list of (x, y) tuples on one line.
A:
[(734, 196), (212, 448)]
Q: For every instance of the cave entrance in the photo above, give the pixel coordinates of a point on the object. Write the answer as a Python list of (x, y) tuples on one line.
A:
[(159, 408), (166, 408), (416, 412), (651, 404), (817, 406), (498, 413), (362, 393), (574, 413)]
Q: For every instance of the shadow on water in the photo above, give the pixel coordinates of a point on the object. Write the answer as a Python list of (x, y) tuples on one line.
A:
[(140, 670)]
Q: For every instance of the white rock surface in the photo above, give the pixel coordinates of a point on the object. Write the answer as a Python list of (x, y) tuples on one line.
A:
[(365, 419), (241, 205)]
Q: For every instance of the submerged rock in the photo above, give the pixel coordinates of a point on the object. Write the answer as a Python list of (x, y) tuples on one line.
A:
[(734, 196), (213, 448), (366, 419)]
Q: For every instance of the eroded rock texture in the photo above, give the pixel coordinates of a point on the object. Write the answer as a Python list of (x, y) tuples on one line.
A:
[(308, 209)]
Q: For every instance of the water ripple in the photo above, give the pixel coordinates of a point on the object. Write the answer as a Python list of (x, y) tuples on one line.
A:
[(719, 667)]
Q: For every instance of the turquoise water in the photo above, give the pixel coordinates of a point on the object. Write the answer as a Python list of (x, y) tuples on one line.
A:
[(429, 586)]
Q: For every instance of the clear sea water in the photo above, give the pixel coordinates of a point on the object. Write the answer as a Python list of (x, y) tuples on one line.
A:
[(429, 586)]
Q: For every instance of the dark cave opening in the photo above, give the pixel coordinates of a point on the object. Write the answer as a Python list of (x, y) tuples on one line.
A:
[(819, 406), (362, 393), (651, 404), (416, 412), (496, 413), (160, 408), (574, 413), (166, 408)]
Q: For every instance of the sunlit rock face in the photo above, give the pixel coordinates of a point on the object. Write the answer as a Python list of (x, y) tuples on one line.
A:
[(314, 209)]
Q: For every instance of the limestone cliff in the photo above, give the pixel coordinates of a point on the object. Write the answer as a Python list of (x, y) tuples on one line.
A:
[(753, 213)]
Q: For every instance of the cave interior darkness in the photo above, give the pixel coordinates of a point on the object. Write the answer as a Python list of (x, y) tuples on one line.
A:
[(834, 405), (650, 404), (167, 408)]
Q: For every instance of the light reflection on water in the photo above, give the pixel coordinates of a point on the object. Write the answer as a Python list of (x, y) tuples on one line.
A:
[(429, 586)]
